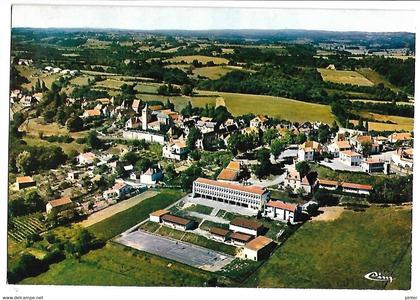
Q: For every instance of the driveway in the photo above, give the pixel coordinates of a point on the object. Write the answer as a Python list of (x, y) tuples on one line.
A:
[(336, 164)]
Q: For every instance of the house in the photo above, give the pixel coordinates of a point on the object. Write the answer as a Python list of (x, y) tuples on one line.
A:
[(350, 158), (176, 222), (246, 226), (136, 105), (73, 175), (371, 165), (403, 157), (156, 216), (240, 239), (360, 140), (307, 150), (152, 176), (231, 173), (400, 137), (119, 190), (282, 211), (24, 182), (296, 182), (258, 122), (176, 149), (86, 158), (326, 184), (259, 248), (338, 146), (135, 176), (91, 113), (219, 234), (28, 101), (133, 122), (58, 205), (362, 189), (252, 197)]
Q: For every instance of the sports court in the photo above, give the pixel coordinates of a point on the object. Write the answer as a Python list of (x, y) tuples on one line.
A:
[(182, 252)]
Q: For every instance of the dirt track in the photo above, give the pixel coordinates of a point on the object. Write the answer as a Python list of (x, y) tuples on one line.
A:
[(112, 210), (329, 213)]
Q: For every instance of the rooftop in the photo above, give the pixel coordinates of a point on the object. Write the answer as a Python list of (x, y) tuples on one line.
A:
[(60, 201), (282, 205), (24, 179), (245, 223), (327, 182), (175, 219), (228, 174), (249, 189), (241, 237), (258, 243), (357, 186), (159, 213), (350, 153), (219, 231)]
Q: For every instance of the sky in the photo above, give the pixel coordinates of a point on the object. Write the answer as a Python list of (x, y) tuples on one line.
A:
[(203, 18)]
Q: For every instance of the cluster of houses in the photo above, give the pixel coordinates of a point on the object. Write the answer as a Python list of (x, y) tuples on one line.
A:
[(25, 100)]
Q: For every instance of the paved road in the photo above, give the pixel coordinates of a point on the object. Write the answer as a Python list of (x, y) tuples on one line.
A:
[(336, 164), (186, 253), (116, 208)]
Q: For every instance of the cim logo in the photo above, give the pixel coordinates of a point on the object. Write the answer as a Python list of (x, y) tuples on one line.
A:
[(378, 276)]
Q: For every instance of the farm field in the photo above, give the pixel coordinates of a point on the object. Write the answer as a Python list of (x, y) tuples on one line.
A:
[(278, 107), (379, 101), (201, 58), (67, 147), (116, 265), (343, 251), (376, 78), (401, 123), (181, 101), (34, 126), (32, 75), (22, 227), (214, 72), (339, 76), (122, 221)]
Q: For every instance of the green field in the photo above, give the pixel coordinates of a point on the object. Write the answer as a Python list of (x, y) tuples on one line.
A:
[(201, 58), (278, 107), (122, 221), (181, 101), (400, 123), (202, 209), (116, 265), (33, 74), (375, 77), (214, 72), (339, 76), (337, 254)]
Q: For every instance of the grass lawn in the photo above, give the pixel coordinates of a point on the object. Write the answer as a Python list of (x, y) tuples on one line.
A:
[(337, 254), (282, 108), (122, 221), (181, 101), (202, 209), (33, 74), (201, 58), (339, 76), (149, 88), (206, 225), (240, 269), (67, 147), (116, 265)]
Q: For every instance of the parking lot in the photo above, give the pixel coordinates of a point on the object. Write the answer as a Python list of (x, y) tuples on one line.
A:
[(189, 254)]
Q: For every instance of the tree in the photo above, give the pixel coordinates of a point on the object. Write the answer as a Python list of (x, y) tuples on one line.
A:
[(221, 114), (93, 141), (189, 175), (187, 89), (193, 135), (33, 202), (170, 173), (131, 157), (303, 168), (300, 138), (312, 209), (270, 135), (75, 124), (277, 147), (324, 198), (366, 148), (24, 162)]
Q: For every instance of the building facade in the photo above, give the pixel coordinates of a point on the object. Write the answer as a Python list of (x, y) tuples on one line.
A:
[(252, 197)]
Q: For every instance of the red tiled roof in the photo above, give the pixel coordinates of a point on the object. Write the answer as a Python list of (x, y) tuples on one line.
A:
[(357, 186), (24, 179), (350, 153), (219, 231), (241, 237), (258, 243), (282, 205), (175, 219), (327, 182), (60, 201), (228, 174), (249, 189), (245, 223), (159, 213)]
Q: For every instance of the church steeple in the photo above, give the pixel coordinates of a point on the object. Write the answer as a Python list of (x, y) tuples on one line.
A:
[(145, 117)]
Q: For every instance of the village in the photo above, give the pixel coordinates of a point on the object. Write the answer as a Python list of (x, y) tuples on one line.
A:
[(241, 188)]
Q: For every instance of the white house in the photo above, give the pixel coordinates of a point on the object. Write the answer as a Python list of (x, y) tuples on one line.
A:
[(152, 176), (403, 157), (58, 205), (338, 146), (294, 181), (176, 222), (307, 150), (258, 122), (219, 234), (258, 249), (246, 226), (371, 165), (350, 158), (118, 191), (86, 158), (177, 150), (362, 189), (282, 211), (156, 216)]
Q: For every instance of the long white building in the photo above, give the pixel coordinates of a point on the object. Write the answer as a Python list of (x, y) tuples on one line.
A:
[(252, 197)]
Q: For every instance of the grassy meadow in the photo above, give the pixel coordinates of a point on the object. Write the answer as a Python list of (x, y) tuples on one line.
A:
[(337, 254), (400, 123), (339, 76), (375, 77), (214, 72), (200, 58)]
